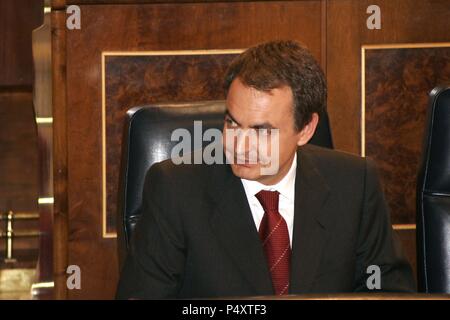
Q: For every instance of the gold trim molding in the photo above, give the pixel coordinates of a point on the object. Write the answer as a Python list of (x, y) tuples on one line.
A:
[(44, 120), (404, 226), (41, 285), (49, 200), (105, 54), (406, 45)]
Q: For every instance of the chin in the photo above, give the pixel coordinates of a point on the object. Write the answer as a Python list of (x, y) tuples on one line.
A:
[(248, 172)]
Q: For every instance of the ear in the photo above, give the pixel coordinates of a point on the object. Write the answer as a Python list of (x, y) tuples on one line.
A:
[(308, 130)]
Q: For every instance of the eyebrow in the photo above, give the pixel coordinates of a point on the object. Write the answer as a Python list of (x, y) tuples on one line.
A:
[(228, 114), (264, 125)]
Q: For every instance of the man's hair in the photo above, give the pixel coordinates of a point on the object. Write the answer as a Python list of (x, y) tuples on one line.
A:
[(276, 64)]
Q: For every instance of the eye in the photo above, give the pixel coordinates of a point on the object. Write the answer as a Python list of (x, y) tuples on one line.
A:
[(265, 132), (230, 122)]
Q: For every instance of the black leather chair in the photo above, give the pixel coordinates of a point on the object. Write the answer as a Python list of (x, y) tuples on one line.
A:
[(433, 198), (147, 140)]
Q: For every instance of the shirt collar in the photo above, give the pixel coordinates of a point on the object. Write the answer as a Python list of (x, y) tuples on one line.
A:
[(286, 186)]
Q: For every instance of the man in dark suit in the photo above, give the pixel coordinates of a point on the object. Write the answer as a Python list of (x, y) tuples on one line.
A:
[(318, 224)]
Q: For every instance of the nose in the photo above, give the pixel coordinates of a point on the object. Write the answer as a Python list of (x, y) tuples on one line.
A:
[(246, 143)]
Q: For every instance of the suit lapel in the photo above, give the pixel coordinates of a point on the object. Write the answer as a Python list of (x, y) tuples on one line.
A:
[(310, 223), (235, 229)]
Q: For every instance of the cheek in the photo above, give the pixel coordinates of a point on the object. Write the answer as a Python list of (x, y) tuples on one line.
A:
[(229, 147), (227, 140), (224, 139), (287, 145)]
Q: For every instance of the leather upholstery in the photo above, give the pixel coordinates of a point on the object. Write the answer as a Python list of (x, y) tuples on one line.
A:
[(147, 140), (433, 198)]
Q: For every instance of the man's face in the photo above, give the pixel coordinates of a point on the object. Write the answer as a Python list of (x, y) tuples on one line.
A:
[(247, 109)]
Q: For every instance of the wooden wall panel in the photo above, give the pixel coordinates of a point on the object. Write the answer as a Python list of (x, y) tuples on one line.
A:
[(18, 168), (402, 21), (397, 83), (18, 135), (60, 183), (42, 99), (146, 27), (18, 152), (17, 19)]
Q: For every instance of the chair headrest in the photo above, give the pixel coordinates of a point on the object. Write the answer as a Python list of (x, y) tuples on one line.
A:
[(436, 150)]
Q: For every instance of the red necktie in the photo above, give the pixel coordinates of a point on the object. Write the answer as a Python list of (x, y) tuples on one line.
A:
[(274, 235)]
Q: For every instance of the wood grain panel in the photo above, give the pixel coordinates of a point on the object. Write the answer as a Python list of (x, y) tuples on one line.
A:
[(397, 83), (18, 168), (18, 152), (42, 100), (403, 21), (61, 3), (17, 19), (59, 111), (132, 80), (146, 27), (18, 136)]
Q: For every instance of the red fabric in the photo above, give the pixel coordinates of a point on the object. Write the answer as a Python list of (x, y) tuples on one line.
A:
[(274, 235)]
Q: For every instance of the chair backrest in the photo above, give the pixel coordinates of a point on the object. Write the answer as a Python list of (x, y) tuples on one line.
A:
[(433, 197), (147, 140)]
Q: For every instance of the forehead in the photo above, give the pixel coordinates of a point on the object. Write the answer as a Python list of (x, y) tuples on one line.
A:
[(244, 99)]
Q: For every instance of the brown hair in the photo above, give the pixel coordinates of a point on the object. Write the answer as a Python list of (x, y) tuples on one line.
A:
[(276, 64)]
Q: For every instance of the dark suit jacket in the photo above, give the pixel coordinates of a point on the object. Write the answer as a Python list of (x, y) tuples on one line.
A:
[(197, 237)]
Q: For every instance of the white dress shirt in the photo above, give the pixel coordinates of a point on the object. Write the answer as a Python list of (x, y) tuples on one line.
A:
[(286, 188)]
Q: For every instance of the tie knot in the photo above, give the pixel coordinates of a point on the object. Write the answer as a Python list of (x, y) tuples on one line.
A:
[(268, 200)]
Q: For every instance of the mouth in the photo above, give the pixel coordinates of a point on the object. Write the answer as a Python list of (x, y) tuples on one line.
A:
[(245, 164)]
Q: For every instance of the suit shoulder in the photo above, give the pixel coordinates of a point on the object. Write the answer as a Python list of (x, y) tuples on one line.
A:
[(325, 154), (168, 171), (335, 162)]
